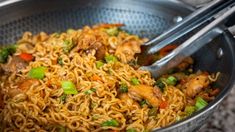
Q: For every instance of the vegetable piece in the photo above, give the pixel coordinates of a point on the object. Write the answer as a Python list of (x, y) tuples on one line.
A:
[(60, 61), (131, 130), (111, 122), (153, 111), (95, 78), (110, 58), (171, 80), (62, 129), (68, 45), (135, 81), (37, 73), (99, 64), (90, 91), (123, 88), (112, 31), (163, 105), (160, 84), (26, 57), (143, 102), (5, 52), (69, 87), (200, 103), (63, 98), (190, 109)]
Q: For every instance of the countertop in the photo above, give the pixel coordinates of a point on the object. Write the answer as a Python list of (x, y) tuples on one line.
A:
[(223, 120)]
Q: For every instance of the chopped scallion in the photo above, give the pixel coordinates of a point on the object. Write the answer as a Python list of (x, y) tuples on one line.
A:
[(135, 81), (190, 109), (200, 103), (123, 88), (99, 64), (69, 87), (110, 58), (171, 80), (68, 45), (38, 72), (90, 91), (111, 122)]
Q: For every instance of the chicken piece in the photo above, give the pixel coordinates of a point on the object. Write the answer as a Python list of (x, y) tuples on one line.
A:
[(126, 51), (148, 93), (25, 84), (129, 101), (22, 86), (15, 64), (185, 64), (100, 50), (196, 84)]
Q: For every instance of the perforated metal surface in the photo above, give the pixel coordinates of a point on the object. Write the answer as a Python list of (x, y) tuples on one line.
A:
[(136, 22)]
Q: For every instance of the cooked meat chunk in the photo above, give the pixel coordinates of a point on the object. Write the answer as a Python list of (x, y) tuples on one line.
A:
[(15, 64), (196, 84), (25, 84), (100, 50), (127, 50), (148, 93), (22, 86)]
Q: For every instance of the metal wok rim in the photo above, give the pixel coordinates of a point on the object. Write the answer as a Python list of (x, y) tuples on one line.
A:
[(212, 105)]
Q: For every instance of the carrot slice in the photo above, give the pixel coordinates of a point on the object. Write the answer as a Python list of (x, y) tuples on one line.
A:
[(96, 78), (167, 49), (26, 56), (163, 105)]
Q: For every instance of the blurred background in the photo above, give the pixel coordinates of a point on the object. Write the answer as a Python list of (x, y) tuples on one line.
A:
[(223, 120)]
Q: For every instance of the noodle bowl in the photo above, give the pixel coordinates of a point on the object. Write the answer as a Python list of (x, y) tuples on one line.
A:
[(88, 80)]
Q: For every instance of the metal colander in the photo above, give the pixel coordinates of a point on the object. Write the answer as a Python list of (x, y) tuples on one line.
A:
[(146, 18)]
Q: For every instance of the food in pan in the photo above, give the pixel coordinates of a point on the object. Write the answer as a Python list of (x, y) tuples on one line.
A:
[(88, 80)]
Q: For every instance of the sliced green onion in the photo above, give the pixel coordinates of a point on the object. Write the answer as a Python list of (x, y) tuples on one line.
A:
[(171, 80), (110, 58), (69, 87), (190, 109), (60, 61), (112, 31), (135, 81), (131, 130), (200, 103), (90, 91), (153, 111), (38, 72), (160, 84), (6, 51), (99, 64), (111, 122), (68, 45), (143, 102), (123, 88), (63, 98)]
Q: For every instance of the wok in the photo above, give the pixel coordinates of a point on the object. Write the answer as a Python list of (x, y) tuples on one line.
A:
[(146, 18)]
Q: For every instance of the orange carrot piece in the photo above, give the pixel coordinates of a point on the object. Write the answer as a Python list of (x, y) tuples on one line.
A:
[(163, 105), (26, 56)]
